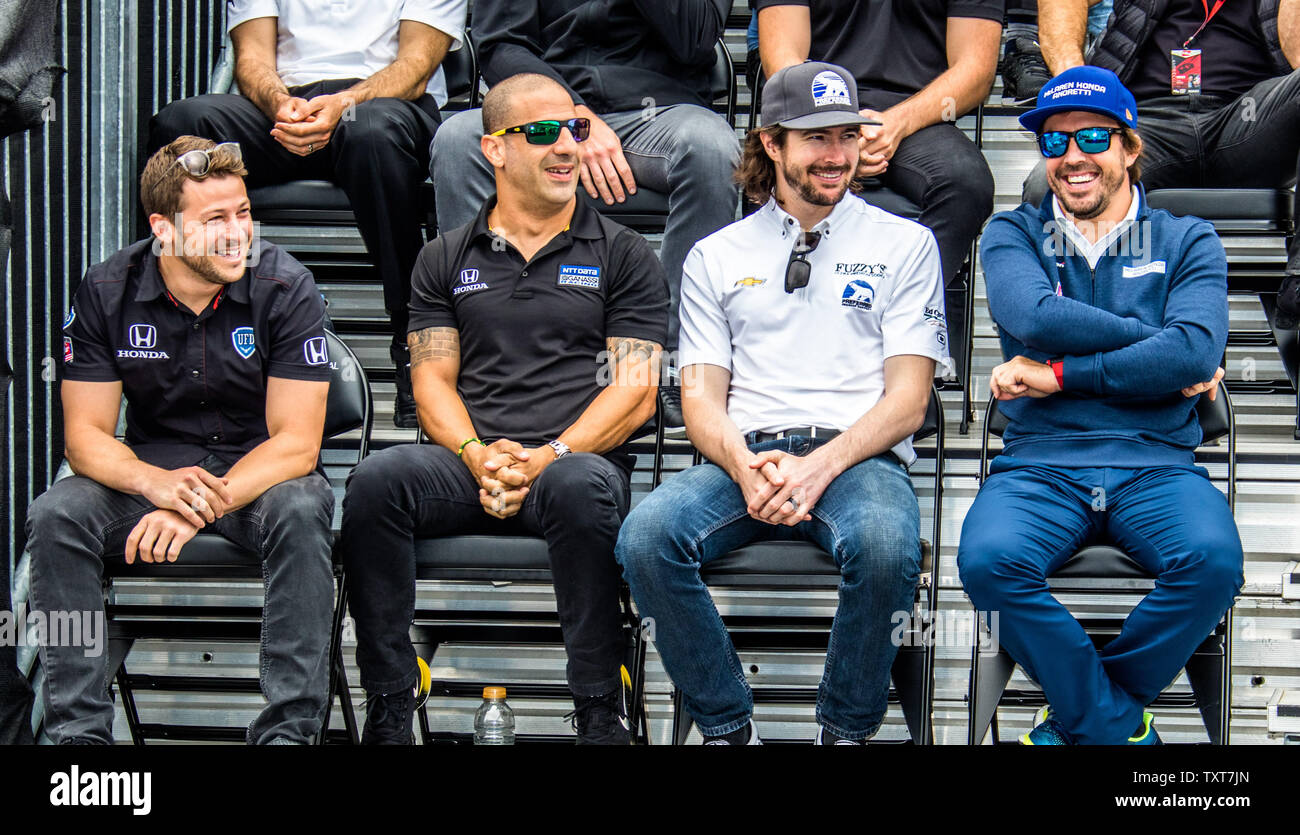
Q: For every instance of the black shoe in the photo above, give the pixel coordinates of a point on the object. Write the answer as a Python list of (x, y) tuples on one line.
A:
[(747, 735), (602, 720), (825, 737), (404, 414), (1287, 315), (389, 719), (1023, 70), (670, 410)]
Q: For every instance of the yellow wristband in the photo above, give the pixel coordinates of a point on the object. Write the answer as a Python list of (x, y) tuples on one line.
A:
[(461, 452)]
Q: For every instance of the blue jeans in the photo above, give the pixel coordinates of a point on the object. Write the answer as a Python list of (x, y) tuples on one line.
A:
[(1028, 520), (867, 519), (79, 524), (683, 150)]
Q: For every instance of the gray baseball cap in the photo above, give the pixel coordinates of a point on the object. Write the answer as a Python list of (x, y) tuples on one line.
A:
[(812, 95)]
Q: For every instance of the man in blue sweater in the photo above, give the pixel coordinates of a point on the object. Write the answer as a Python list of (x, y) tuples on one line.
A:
[(1113, 318)]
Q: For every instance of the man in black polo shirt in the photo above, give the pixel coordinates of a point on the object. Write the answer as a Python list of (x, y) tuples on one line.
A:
[(535, 339), (1218, 93), (919, 66), (217, 342)]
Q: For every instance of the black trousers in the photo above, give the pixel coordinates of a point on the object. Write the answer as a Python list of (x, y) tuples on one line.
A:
[(1252, 141), (416, 491), (380, 158), (944, 173)]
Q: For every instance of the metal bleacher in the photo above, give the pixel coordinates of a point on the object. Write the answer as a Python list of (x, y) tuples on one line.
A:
[(1266, 650)]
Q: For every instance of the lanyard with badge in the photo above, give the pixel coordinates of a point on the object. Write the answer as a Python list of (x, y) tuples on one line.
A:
[(1185, 63)]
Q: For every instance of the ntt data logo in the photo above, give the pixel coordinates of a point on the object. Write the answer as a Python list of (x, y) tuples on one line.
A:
[(131, 789)]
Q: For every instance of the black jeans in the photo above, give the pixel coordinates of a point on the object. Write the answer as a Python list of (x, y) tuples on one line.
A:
[(944, 173), (1252, 141), (421, 491), (78, 524), (380, 159)]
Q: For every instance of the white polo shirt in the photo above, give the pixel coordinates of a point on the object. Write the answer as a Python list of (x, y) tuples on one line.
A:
[(814, 357), (347, 38)]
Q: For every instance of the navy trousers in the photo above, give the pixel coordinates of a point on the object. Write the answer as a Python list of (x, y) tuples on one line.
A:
[(1029, 519)]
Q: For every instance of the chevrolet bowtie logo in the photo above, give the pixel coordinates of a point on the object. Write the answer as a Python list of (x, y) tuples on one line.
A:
[(750, 281)]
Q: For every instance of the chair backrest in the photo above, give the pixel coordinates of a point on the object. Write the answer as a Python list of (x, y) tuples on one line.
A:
[(460, 70), (722, 80), (349, 405), (933, 417)]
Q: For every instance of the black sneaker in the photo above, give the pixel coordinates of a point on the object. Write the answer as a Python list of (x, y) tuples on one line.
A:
[(747, 735), (404, 414), (825, 737), (390, 716), (670, 410), (1286, 317), (601, 720), (1023, 70), (389, 719)]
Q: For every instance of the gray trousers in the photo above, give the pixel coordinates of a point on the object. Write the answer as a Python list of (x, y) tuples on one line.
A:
[(79, 524), (684, 151)]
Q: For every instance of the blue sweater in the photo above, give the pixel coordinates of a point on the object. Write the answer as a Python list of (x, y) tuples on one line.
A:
[(1151, 320)]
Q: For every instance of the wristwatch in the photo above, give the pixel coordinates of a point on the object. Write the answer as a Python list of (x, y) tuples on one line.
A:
[(561, 448)]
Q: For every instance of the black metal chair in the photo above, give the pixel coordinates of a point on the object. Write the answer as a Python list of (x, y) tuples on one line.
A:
[(210, 557), (803, 566), (501, 559), (1100, 569), (1248, 213)]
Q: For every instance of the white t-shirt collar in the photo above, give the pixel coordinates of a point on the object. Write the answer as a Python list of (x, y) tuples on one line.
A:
[(1090, 251), (789, 225)]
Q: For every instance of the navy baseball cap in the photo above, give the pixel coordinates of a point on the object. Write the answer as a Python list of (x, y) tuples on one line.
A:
[(812, 95), (1093, 89)]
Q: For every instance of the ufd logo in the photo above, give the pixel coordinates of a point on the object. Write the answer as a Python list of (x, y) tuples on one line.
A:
[(244, 341)]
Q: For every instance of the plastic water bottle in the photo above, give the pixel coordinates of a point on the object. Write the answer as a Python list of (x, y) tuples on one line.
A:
[(494, 724)]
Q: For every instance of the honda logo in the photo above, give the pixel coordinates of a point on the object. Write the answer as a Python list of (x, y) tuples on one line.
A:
[(315, 352), (143, 337), (468, 276)]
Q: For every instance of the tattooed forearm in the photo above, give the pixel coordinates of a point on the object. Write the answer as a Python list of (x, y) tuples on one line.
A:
[(635, 350), (433, 344)]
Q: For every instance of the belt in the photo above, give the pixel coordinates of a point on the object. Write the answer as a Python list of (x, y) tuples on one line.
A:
[(818, 432)]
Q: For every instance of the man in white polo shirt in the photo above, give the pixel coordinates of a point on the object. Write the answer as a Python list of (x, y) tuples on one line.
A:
[(810, 332), (347, 91)]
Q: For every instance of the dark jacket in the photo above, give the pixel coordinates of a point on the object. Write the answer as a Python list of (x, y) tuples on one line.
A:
[(611, 55), (1133, 21), (1151, 320)]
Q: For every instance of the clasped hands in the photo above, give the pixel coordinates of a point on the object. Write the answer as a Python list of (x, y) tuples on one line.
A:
[(505, 471), (304, 126), (780, 488)]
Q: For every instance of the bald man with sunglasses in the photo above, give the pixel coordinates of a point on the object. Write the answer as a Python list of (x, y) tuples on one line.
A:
[(535, 338)]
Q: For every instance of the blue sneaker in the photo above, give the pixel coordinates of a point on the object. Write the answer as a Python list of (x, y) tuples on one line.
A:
[(1046, 731), (1148, 735)]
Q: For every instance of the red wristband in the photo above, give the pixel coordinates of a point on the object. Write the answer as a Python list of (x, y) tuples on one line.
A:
[(1058, 368)]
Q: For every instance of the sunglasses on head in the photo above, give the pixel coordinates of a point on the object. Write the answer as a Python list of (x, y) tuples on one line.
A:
[(797, 269), (1054, 143), (198, 163), (547, 131)]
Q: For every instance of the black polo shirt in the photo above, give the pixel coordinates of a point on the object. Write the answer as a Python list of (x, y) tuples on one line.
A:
[(195, 385), (892, 47), (532, 334)]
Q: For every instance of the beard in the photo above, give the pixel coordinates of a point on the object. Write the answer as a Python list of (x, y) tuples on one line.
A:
[(1109, 182), (205, 267), (800, 179)]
